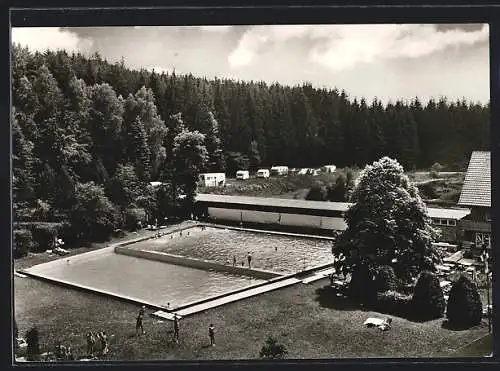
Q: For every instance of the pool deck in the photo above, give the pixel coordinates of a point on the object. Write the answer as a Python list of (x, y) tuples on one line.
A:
[(316, 276), (227, 299)]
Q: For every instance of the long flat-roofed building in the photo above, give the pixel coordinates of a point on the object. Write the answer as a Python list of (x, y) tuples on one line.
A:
[(318, 215)]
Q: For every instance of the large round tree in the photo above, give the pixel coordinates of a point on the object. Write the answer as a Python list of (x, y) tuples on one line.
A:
[(387, 224)]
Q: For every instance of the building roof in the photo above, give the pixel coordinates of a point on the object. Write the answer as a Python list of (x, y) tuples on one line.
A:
[(274, 202), (438, 213), (314, 205), (476, 190)]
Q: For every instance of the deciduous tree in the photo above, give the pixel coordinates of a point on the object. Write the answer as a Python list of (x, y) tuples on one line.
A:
[(387, 223)]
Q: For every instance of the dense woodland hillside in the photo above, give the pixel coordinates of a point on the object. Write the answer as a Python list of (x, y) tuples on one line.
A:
[(88, 134)]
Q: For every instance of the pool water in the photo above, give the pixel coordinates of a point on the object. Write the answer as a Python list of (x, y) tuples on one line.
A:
[(278, 253), (146, 280)]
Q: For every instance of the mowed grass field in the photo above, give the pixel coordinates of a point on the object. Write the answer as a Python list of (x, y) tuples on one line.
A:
[(308, 319)]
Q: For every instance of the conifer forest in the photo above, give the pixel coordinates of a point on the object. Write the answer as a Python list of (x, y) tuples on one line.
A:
[(89, 136)]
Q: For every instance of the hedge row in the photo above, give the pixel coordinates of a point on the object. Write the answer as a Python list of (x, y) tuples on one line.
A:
[(379, 289), (39, 236), (42, 234)]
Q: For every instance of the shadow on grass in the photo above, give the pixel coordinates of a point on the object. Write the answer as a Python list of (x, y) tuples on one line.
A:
[(329, 297), (447, 325)]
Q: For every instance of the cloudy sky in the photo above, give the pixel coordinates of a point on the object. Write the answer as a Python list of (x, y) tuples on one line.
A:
[(384, 61)]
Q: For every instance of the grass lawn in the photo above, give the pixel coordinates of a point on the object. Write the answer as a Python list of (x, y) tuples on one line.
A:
[(308, 319)]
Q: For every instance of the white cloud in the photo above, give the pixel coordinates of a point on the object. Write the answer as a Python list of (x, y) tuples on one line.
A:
[(53, 38), (342, 47)]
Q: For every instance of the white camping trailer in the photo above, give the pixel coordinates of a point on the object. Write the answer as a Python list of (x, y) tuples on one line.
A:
[(263, 173), (329, 168), (279, 170), (213, 179), (242, 174)]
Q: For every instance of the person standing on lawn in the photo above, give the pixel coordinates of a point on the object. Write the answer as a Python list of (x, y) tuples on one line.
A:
[(211, 334), (234, 260), (249, 258), (104, 343), (176, 328), (138, 324), (90, 344)]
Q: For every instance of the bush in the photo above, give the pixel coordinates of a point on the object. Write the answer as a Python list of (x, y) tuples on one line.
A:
[(44, 233), (362, 287), (428, 190), (23, 243), (435, 169), (392, 302), (385, 279), (428, 299), (273, 350), (318, 192), (133, 216), (464, 303), (33, 347)]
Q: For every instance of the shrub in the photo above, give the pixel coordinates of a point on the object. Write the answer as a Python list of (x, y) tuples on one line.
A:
[(273, 350), (362, 287), (385, 279), (435, 169), (23, 242), (44, 233), (428, 190), (33, 347), (392, 302), (428, 299), (464, 303), (133, 216), (317, 192)]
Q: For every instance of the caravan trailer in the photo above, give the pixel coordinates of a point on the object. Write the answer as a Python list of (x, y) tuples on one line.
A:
[(213, 179), (263, 173), (242, 174), (329, 168), (279, 170)]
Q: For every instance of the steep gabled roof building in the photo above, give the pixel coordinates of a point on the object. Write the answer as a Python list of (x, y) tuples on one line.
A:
[(476, 195)]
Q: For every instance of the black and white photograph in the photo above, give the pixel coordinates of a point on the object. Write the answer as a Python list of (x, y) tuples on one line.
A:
[(251, 192)]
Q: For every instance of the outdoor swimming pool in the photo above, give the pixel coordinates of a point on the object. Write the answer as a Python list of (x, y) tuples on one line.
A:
[(154, 282), (277, 253)]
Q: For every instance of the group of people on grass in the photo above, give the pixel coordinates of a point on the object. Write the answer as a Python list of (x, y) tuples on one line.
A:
[(92, 339), (63, 352), (235, 261), (139, 328)]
